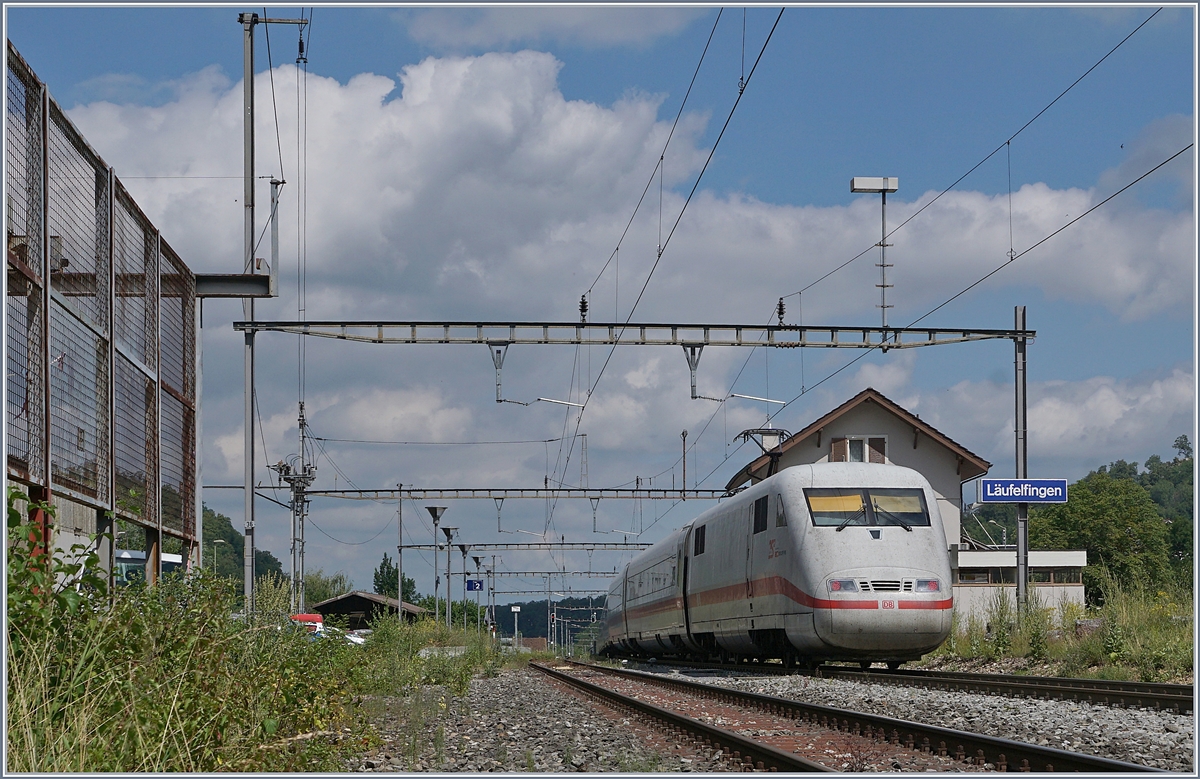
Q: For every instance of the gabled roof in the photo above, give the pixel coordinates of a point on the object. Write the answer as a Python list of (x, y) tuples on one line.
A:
[(971, 464), (382, 600)]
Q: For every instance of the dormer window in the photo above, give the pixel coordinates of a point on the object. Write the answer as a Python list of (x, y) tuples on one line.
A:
[(858, 449)]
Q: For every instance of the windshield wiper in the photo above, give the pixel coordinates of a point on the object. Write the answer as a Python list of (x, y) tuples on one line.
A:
[(894, 517), (861, 510)]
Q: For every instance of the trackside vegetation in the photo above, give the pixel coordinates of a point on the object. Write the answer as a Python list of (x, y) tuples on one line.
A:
[(172, 678), (1136, 526)]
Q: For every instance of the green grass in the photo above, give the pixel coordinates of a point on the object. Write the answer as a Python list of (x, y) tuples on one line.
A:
[(167, 679), (1145, 634)]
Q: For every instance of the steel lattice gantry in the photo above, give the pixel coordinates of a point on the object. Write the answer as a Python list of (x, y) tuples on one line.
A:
[(504, 493), (633, 334), (555, 546)]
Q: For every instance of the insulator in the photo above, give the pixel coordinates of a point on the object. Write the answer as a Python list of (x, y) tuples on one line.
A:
[(779, 310), (583, 308)]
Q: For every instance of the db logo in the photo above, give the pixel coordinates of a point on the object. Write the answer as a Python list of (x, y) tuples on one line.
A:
[(888, 604), (773, 552)]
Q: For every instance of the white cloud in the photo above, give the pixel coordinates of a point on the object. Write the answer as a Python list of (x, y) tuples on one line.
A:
[(1074, 426), (478, 191), (592, 27)]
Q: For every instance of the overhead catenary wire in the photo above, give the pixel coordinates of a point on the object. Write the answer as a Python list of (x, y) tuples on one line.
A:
[(674, 227), (991, 154), (670, 135), (274, 106), (1008, 261)]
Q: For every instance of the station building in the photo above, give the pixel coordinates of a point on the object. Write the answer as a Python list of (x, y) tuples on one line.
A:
[(101, 350), (869, 427)]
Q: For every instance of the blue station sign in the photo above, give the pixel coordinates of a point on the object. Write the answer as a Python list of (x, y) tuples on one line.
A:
[(1023, 491), (474, 585)]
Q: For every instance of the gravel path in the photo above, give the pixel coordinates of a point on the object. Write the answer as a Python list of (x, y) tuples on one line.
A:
[(517, 721), (1144, 736)]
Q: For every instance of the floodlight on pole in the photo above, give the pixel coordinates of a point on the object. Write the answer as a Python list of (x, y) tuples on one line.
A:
[(435, 512), (882, 185), (449, 531)]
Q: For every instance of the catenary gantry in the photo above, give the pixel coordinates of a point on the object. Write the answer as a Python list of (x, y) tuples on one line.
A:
[(505, 493), (631, 334)]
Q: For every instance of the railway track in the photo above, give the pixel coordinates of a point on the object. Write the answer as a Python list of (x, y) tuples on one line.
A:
[(1178, 698), (1171, 697), (976, 749)]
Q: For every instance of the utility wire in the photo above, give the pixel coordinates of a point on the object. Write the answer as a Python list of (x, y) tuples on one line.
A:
[(274, 107), (436, 443), (982, 161), (1051, 235), (670, 135), (670, 234), (957, 295)]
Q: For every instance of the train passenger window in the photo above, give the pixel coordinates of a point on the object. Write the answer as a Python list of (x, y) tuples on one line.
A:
[(698, 541), (899, 507), (780, 517), (835, 506), (759, 512)]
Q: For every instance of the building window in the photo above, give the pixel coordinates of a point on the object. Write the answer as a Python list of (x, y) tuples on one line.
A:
[(1039, 576), (972, 576), (858, 449), (1068, 576), (698, 541), (759, 512)]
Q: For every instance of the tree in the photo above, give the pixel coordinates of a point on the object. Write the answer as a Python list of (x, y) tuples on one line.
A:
[(385, 577), (229, 555), (320, 587), (385, 581), (1183, 447), (1115, 521)]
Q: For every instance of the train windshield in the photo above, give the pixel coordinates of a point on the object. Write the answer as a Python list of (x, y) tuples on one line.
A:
[(831, 506), (842, 507), (899, 507)]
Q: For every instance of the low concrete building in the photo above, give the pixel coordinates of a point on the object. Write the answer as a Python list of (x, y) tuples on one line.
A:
[(1055, 577), (869, 427), (360, 607)]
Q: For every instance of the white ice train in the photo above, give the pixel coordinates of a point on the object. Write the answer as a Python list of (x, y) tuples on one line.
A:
[(832, 561)]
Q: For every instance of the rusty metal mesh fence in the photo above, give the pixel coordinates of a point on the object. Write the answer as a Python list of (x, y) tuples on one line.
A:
[(135, 264), (178, 496), (177, 375), (177, 325), (25, 417), (77, 221), (80, 438), (119, 336), (134, 442)]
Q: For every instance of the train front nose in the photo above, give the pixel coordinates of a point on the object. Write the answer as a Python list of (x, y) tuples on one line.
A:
[(883, 611)]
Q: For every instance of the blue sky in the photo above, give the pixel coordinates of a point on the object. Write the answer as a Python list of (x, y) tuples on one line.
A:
[(488, 169)]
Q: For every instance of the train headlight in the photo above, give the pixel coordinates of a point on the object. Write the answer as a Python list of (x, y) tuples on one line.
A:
[(843, 585), (928, 585)]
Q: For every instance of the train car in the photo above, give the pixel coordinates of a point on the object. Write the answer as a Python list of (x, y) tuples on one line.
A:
[(831, 561)]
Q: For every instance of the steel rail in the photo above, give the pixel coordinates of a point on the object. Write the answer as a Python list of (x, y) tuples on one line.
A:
[(976, 746), (770, 757), (1179, 698), (1151, 695)]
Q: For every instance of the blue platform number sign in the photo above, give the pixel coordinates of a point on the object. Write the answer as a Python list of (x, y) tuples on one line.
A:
[(474, 585), (1023, 491)]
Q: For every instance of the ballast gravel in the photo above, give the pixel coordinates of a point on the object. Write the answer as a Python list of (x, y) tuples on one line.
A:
[(517, 721), (1159, 739)]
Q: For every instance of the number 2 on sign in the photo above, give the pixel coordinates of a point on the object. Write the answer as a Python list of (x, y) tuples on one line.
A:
[(889, 604)]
